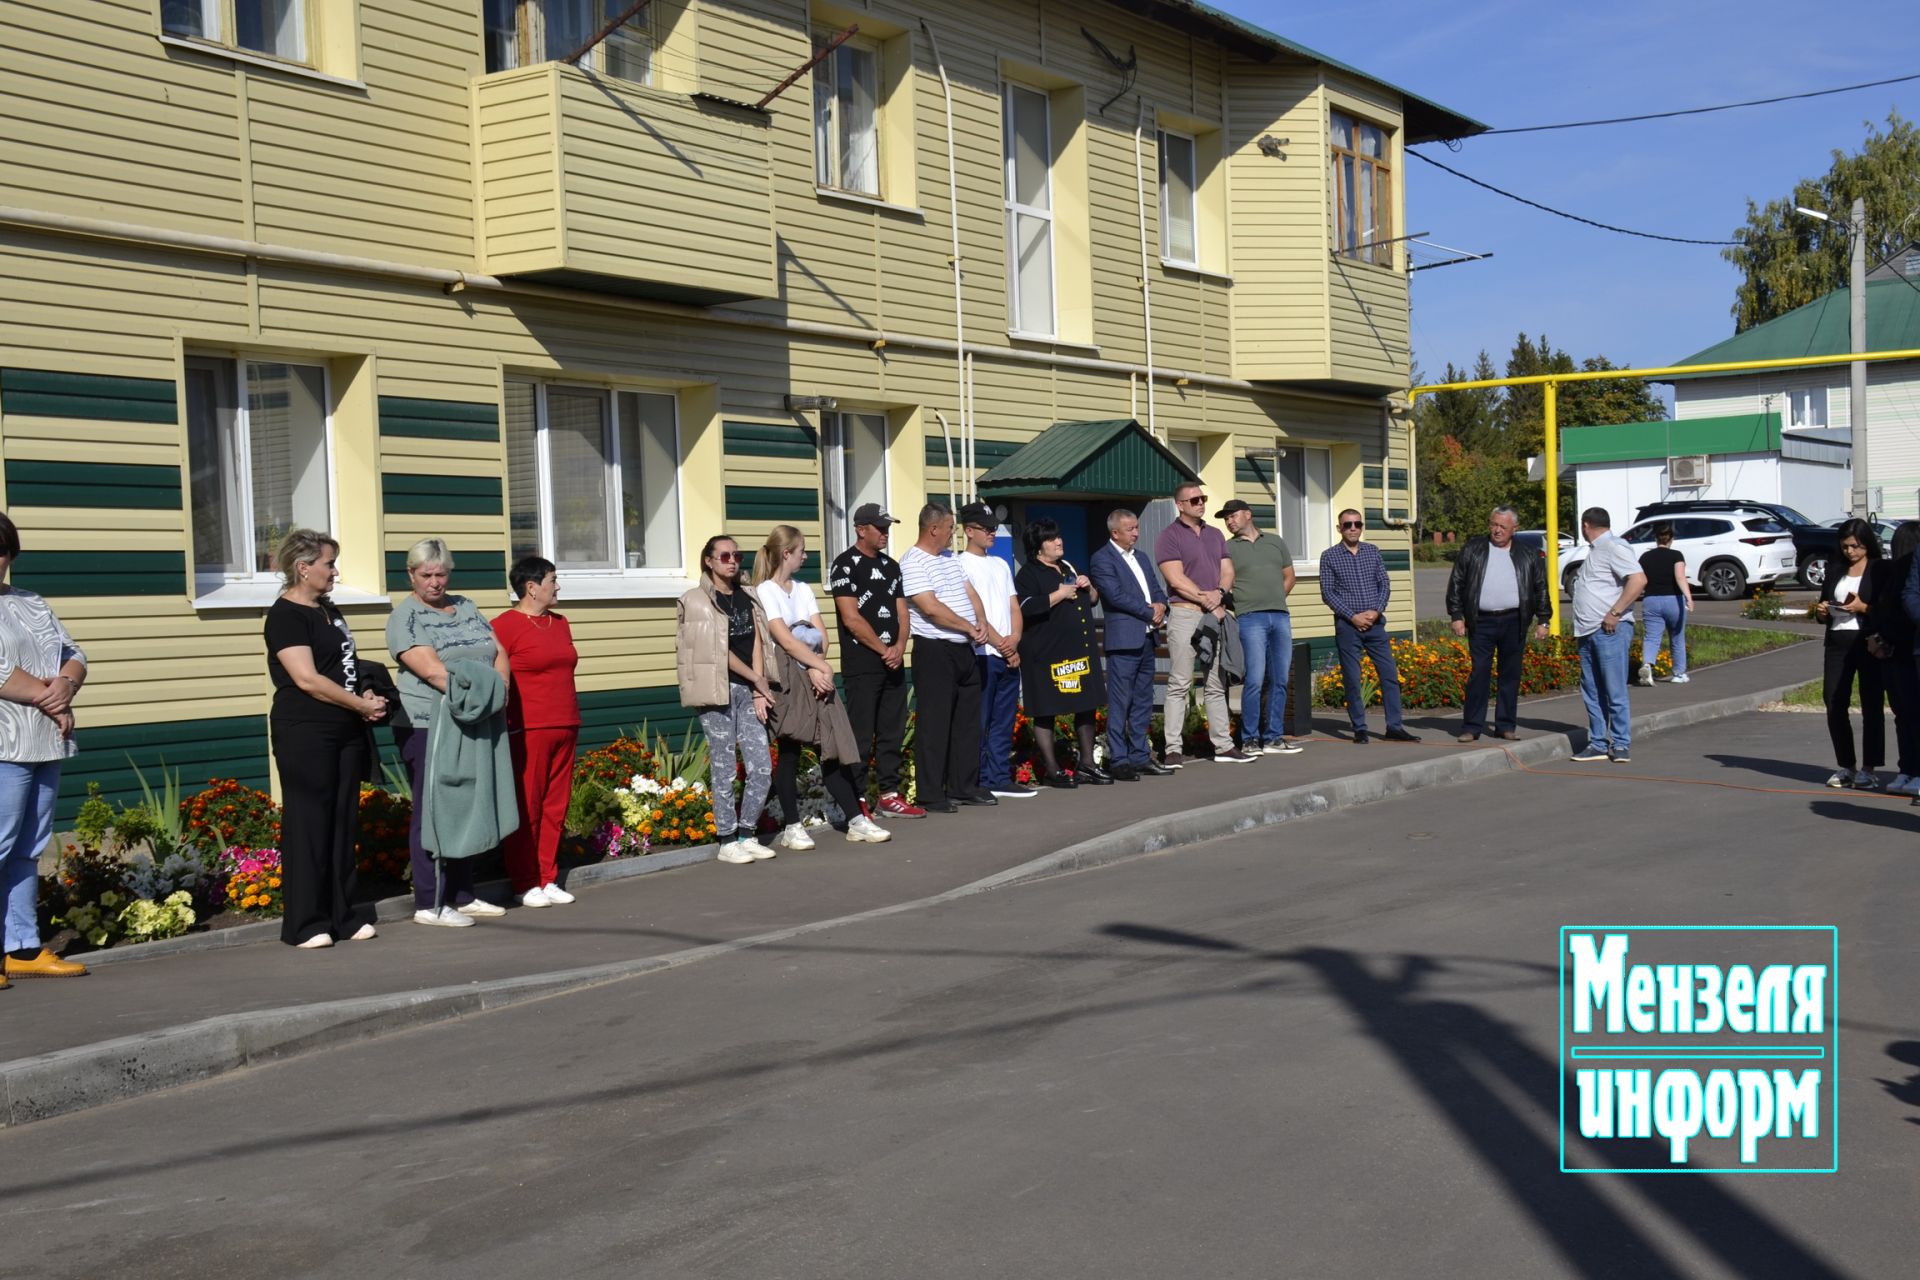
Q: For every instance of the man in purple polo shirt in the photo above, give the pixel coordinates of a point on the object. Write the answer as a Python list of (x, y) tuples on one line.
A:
[(1192, 556)]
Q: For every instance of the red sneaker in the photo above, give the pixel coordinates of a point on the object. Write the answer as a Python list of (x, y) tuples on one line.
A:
[(894, 805)]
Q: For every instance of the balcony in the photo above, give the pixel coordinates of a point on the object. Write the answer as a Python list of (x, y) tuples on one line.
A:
[(600, 184)]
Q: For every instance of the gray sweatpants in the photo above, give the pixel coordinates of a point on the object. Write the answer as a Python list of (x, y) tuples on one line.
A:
[(729, 729)]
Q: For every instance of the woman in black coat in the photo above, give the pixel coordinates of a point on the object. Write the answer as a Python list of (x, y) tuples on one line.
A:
[(1890, 636), (1059, 659), (1850, 590)]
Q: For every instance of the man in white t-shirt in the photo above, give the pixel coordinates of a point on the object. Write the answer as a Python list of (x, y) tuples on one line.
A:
[(1603, 594), (998, 656), (944, 617)]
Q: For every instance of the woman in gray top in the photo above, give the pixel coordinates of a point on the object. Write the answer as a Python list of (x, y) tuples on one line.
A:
[(41, 669), (430, 628)]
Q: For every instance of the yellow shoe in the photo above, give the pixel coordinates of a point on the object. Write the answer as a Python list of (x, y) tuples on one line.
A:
[(44, 965)]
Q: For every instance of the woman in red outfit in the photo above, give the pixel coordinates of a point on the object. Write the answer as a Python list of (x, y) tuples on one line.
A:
[(543, 724)]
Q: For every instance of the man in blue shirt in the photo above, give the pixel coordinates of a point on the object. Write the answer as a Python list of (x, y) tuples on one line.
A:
[(1354, 583)]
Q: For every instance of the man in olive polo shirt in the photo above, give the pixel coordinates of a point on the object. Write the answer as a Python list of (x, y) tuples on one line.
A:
[(1263, 577)]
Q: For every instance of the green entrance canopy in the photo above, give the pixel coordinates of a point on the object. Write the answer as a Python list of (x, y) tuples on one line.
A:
[(1116, 458)]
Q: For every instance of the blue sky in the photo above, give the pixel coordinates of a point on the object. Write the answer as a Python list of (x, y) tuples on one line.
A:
[(1510, 63)]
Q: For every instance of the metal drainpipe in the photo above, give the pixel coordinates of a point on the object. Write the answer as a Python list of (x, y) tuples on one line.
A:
[(962, 373), (1146, 280)]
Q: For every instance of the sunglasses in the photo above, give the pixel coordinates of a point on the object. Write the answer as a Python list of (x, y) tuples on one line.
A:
[(1353, 524), (1199, 499), (726, 557)]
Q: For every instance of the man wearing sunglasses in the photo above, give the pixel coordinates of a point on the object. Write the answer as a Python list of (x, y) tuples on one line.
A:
[(1192, 558), (1354, 583)]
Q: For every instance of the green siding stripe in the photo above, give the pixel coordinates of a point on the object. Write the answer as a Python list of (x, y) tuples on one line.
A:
[(472, 570), (102, 573), (408, 493), (1396, 561), (809, 569), (199, 750), (1253, 472), (1397, 513), (92, 484), (769, 440), (1396, 477), (1375, 515), (52, 394), (758, 502), (605, 714), (1265, 514), (439, 419), (1370, 477), (986, 453)]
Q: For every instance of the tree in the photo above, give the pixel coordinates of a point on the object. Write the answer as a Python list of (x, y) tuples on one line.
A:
[(1787, 260)]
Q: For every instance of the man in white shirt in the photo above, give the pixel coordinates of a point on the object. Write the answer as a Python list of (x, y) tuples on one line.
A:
[(1603, 594), (998, 656), (944, 614)]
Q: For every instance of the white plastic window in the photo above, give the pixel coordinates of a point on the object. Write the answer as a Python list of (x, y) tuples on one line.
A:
[(1179, 198), (259, 462), (1029, 186), (846, 119), (853, 456)]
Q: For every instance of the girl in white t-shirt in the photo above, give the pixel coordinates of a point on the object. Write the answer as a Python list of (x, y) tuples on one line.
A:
[(807, 707)]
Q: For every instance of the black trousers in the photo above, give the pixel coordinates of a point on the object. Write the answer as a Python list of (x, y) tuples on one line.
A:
[(877, 709), (1903, 694), (1848, 659), (1502, 635), (321, 768), (946, 683)]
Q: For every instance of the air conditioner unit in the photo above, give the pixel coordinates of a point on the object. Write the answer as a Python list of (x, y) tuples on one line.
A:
[(1690, 472)]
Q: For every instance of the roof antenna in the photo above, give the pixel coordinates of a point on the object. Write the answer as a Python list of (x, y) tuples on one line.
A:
[(1129, 69)]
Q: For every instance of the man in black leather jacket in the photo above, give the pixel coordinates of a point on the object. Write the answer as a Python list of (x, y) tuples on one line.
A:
[(1492, 610)]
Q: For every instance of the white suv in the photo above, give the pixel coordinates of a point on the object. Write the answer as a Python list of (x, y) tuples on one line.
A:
[(1726, 551)]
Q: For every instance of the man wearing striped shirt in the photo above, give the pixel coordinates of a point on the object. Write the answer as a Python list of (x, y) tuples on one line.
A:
[(1354, 583), (946, 616)]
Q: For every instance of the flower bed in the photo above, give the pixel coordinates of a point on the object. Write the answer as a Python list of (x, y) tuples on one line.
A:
[(1434, 671)]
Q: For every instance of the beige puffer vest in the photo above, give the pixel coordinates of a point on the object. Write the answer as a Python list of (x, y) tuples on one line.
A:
[(701, 662)]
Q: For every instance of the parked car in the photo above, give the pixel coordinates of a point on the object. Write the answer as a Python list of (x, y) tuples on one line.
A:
[(1727, 552), (1538, 537), (1815, 545)]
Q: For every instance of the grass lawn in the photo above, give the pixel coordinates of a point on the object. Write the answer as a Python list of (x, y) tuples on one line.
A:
[(1813, 694), (1706, 645)]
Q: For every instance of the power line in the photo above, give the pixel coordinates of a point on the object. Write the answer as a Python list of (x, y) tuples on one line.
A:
[(1561, 213), (1701, 111)]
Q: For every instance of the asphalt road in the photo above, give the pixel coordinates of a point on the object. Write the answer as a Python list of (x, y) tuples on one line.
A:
[(1324, 1050)]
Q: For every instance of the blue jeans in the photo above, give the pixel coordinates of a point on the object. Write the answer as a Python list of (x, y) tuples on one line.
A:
[(1603, 687), (27, 793), (1266, 637), (1130, 706), (1374, 641), (1665, 614), (999, 704)]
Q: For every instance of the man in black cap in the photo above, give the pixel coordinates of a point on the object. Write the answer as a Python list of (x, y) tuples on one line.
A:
[(1263, 577), (866, 588)]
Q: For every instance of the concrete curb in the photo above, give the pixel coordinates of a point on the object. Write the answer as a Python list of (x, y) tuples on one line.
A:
[(392, 910), (86, 1076)]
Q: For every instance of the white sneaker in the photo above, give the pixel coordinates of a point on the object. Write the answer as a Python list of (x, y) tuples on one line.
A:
[(446, 917), (316, 942), (365, 933), (864, 830), (795, 837), (535, 898), (556, 896), (1682, 678), (1901, 785), (734, 851), (1840, 778), (759, 851), (1282, 748), (481, 908), (1646, 675), (1866, 780)]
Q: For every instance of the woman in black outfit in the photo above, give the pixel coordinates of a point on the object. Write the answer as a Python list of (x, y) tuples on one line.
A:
[(320, 742), (1849, 592), (1059, 661), (1890, 636)]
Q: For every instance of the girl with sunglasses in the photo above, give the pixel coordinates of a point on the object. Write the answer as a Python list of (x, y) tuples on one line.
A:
[(725, 666)]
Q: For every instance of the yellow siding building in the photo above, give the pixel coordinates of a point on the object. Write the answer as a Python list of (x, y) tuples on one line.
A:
[(397, 268)]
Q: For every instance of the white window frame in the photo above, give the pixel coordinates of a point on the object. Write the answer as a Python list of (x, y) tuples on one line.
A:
[(1193, 200), (618, 581), (1018, 324), (527, 42), (829, 164), (838, 502), (223, 29), (1807, 398), (1300, 539), (217, 588)]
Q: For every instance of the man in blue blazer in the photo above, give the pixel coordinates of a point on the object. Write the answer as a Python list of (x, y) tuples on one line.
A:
[(1134, 603)]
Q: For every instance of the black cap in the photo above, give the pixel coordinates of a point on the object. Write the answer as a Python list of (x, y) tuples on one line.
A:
[(870, 513), (1232, 506), (980, 514)]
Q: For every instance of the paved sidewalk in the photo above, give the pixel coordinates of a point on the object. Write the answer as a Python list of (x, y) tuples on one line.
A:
[(712, 902)]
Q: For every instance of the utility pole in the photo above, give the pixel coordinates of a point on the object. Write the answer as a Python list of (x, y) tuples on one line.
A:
[(1857, 392)]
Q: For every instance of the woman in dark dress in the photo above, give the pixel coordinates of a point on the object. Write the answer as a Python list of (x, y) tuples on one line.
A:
[(1059, 659)]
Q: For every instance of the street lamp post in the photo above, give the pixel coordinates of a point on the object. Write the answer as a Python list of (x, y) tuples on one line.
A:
[(1862, 504)]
